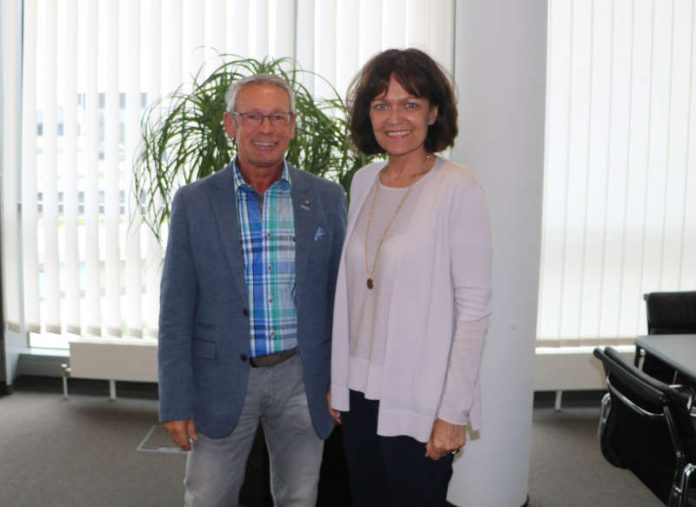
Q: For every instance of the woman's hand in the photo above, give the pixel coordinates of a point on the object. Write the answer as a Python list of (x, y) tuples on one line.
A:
[(444, 439), (335, 414)]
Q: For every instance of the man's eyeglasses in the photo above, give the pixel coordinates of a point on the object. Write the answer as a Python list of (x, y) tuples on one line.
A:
[(256, 119)]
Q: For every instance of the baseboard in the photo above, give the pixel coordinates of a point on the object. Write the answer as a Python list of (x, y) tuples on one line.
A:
[(571, 399), (5, 388)]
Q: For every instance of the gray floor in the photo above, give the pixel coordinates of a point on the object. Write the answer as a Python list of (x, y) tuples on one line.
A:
[(83, 452), (567, 468)]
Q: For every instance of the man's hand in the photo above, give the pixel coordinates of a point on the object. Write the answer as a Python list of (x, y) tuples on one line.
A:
[(335, 414), (444, 439), (182, 432)]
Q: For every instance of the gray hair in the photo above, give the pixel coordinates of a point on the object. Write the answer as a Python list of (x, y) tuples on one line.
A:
[(258, 79)]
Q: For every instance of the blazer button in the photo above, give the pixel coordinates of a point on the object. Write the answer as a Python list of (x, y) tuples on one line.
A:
[(243, 357), (245, 312)]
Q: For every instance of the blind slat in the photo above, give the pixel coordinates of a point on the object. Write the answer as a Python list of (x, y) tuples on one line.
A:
[(283, 28), (68, 169), (112, 148), (90, 169), (47, 170), (29, 218), (131, 218)]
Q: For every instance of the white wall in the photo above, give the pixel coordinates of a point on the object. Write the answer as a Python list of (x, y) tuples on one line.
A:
[(500, 69), (10, 111)]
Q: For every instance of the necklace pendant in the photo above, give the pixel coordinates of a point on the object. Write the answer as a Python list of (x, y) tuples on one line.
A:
[(370, 284)]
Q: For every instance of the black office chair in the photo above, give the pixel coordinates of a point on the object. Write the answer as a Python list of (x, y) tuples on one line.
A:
[(645, 426), (667, 313)]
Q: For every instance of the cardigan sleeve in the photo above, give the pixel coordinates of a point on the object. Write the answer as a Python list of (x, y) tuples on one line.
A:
[(470, 266)]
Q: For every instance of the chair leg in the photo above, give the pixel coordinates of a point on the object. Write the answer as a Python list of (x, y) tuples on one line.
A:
[(603, 415), (637, 356), (679, 494), (686, 483)]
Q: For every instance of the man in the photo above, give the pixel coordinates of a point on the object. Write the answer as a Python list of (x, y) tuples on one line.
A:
[(246, 304)]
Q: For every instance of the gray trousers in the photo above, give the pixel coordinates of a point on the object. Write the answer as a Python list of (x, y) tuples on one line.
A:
[(276, 398)]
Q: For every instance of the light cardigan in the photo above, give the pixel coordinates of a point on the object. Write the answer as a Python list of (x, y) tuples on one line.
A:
[(440, 309)]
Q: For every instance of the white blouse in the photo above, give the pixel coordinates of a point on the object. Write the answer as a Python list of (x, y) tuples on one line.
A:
[(368, 308)]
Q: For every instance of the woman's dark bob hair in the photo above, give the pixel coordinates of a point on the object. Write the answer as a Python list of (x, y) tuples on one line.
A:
[(421, 76)]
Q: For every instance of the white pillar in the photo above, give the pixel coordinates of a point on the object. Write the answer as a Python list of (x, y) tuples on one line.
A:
[(500, 70)]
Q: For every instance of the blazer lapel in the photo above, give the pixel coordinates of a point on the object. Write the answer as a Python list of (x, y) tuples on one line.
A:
[(225, 205), (304, 209)]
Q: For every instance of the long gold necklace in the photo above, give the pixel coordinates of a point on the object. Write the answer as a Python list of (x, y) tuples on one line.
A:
[(370, 217)]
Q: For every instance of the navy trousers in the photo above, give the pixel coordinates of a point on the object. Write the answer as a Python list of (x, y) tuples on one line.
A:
[(389, 471)]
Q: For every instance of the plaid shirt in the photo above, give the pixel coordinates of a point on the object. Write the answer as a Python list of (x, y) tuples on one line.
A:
[(267, 227)]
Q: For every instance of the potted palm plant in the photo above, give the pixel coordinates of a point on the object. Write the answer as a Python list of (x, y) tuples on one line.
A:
[(184, 139)]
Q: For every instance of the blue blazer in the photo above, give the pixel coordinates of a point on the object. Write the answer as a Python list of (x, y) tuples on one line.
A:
[(204, 318)]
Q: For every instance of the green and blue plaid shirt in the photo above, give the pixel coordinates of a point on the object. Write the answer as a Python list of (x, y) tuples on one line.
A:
[(267, 227)]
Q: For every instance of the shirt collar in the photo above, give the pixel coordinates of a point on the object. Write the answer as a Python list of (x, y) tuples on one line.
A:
[(241, 183)]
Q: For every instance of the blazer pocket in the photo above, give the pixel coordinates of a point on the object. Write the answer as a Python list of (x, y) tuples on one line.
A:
[(322, 243), (203, 330), (205, 349)]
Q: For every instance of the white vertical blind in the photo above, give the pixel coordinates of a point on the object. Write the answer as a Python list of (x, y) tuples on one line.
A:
[(89, 30), (215, 16), (261, 29), (151, 84), (46, 167), (133, 301), (283, 28), (70, 283), (369, 29), (110, 254), (239, 30), (619, 166), (29, 199), (325, 27), (87, 265)]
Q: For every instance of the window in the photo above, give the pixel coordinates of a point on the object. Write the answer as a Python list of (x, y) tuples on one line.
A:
[(73, 262), (619, 213)]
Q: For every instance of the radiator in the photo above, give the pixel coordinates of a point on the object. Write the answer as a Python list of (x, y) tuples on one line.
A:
[(113, 360), (571, 369)]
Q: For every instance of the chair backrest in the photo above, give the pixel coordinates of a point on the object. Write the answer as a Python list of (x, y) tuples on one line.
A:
[(671, 312), (648, 428)]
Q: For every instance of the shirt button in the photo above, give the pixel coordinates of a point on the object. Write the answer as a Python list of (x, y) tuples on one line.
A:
[(243, 357), (269, 267), (272, 333), (245, 312), (270, 300)]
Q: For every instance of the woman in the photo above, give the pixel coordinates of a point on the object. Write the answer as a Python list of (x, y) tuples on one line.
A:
[(414, 287)]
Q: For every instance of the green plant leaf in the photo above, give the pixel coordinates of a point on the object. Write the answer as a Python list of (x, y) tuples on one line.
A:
[(183, 138)]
